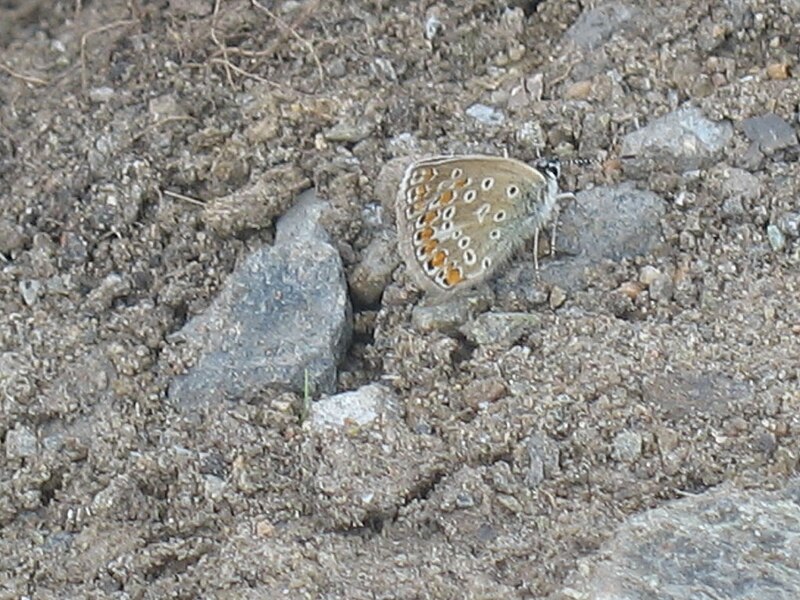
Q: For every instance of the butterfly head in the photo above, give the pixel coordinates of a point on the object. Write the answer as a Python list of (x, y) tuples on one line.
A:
[(549, 167)]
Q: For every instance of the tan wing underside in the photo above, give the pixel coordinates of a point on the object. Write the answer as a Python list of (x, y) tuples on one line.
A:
[(453, 231)]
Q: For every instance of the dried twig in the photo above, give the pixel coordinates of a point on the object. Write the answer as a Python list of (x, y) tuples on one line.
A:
[(188, 199), (25, 78), (293, 32), (222, 47), (240, 71)]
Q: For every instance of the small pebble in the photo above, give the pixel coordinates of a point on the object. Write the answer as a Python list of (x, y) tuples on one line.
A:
[(631, 289), (648, 274), (557, 297), (778, 71), (776, 238), (486, 114), (579, 90)]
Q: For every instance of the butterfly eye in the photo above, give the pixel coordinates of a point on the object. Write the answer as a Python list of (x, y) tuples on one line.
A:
[(550, 167)]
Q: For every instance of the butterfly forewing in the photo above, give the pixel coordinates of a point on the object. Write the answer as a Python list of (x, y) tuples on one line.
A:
[(461, 217)]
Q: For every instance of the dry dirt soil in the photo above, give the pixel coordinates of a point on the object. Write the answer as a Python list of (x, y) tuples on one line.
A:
[(124, 126)]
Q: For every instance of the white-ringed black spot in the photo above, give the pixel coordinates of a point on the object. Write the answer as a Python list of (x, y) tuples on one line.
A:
[(512, 191), (469, 196), (500, 215), (464, 242), (456, 173), (470, 258), (494, 234), (456, 234), (486, 262), (487, 183), (447, 226), (449, 213)]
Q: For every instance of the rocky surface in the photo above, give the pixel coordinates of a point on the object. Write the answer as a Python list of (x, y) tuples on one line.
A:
[(194, 194)]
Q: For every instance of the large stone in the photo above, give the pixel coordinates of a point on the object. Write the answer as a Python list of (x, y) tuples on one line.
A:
[(283, 319), (682, 140)]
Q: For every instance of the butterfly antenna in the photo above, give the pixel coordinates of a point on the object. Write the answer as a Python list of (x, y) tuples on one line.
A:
[(581, 162)]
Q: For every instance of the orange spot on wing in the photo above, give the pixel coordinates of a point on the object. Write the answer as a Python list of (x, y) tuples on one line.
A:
[(430, 217), (419, 205), (429, 246), (460, 183), (453, 276), (447, 196), (426, 233), (438, 260)]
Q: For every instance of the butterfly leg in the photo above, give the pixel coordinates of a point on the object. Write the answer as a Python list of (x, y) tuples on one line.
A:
[(553, 230), (556, 211)]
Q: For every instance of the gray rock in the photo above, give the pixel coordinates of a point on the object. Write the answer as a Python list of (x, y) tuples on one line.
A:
[(678, 395), (20, 443), (596, 26), (662, 288), (789, 224), (613, 222), (360, 407), (101, 94), (682, 140), (543, 455), (350, 131), (604, 223), (769, 133), (627, 446), (450, 313), (30, 290), (371, 276), (11, 237), (487, 115), (726, 543), (737, 186), (283, 314), (776, 238), (502, 329)]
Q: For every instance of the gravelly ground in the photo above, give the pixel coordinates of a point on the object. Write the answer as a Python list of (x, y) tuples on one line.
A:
[(507, 463)]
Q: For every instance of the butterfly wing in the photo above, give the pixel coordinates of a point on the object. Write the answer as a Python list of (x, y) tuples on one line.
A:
[(461, 217)]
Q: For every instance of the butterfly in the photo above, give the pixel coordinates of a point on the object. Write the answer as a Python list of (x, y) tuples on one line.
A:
[(461, 218)]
